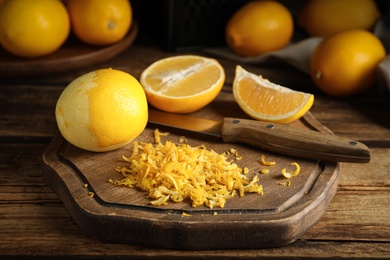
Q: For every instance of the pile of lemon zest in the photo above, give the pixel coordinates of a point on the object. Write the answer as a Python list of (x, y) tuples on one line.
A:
[(253, 187), (177, 172), (264, 171), (135, 150), (182, 139), (289, 175), (185, 214), (286, 174), (266, 163), (234, 152), (158, 134), (285, 183)]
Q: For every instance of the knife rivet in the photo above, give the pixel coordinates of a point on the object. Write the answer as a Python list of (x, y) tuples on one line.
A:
[(353, 143), (270, 126), (236, 121)]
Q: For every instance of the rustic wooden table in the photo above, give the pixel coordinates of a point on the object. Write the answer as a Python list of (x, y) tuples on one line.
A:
[(35, 223)]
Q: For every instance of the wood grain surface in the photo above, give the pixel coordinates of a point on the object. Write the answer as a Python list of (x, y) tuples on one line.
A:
[(35, 223), (279, 217)]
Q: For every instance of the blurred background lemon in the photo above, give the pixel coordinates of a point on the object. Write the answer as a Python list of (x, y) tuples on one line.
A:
[(99, 22), (345, 63), (259, 27), (102, 110), (324, 17), (33, 28)]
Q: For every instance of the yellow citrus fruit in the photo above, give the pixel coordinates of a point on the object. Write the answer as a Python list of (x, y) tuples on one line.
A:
[(98, 22), (182, 84), (102, 110), (345, 63), (259, 27), (325, 17), (33, 28), (264, 100)]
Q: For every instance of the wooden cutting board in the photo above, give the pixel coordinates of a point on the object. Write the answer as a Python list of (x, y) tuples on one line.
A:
[(121, 214)]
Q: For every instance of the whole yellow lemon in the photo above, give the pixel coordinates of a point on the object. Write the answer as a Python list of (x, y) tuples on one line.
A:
[(324, 17), (98, 22), (33, 28), (259, 27), (345, 63), (102, 110)]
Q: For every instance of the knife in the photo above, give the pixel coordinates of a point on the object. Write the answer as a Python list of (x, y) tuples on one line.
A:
[(279, 138)]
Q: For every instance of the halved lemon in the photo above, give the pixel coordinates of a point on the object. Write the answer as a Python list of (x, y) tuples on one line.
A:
[(182, 84), (264, 100)]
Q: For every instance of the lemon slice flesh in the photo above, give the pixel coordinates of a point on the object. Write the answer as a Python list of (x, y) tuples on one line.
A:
[(182, 84), (264, 100)]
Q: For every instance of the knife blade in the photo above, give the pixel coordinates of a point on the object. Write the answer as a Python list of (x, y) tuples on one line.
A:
[(278, 138)]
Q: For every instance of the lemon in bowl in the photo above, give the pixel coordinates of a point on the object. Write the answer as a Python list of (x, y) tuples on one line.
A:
[(102, 110), (31, 29), (100, 23)]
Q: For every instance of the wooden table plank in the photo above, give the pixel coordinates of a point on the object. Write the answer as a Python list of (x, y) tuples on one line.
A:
[(364, 118), (34, 222), (354, 216), (371, 176), (49, 232), (29, 112), (43, 223)]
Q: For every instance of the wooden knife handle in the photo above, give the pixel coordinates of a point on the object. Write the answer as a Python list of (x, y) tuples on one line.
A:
[(294, 141)]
